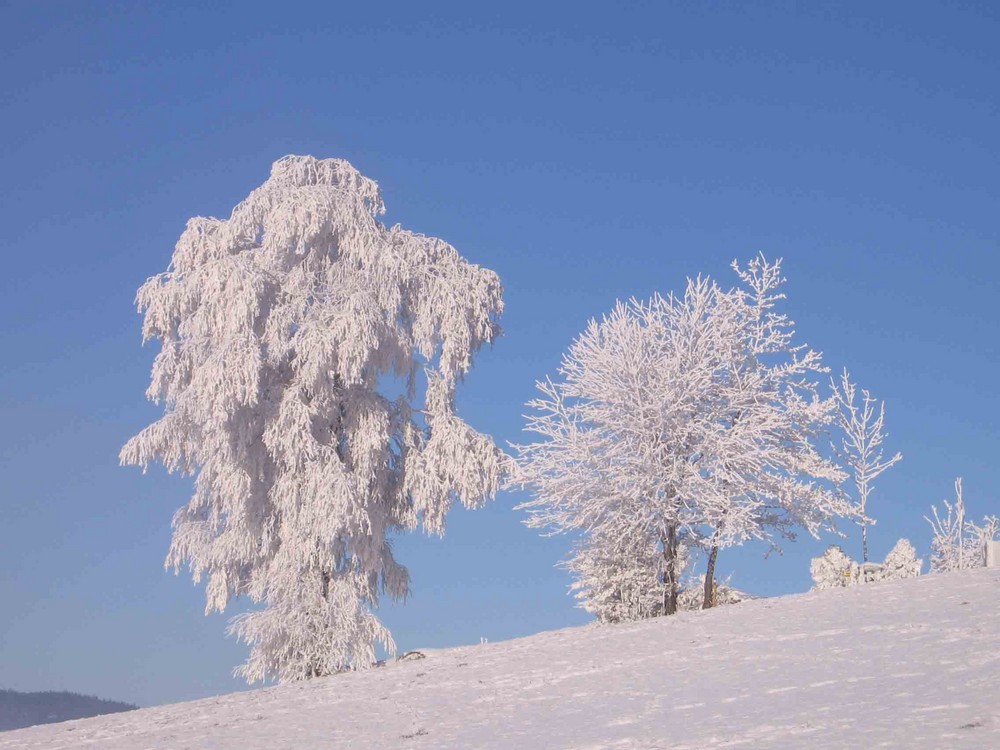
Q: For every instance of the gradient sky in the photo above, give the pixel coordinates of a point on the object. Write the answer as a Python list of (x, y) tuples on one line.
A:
[(584, 156)]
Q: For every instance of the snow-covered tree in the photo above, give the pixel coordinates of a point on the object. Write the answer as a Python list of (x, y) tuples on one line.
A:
[(861, 444), (684, 420), (287, 333), (958, 543), (947, 543)]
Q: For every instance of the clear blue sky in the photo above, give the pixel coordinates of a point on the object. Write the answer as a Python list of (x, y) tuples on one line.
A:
[(583, 155)]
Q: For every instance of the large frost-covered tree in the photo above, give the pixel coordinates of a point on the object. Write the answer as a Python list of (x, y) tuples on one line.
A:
[(861, 444), (687, 420), (295, 338)]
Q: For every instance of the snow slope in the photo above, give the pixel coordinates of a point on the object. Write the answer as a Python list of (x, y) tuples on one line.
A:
[(906, 664)]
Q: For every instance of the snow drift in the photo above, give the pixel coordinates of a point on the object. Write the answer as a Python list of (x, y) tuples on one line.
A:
[(905, 664)]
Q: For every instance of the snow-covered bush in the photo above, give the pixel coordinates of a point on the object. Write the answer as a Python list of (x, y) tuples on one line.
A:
[(901, 562), (281, 328), (835, 569)]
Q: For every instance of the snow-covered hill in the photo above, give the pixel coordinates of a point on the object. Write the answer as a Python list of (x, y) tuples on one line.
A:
[(909, 664)]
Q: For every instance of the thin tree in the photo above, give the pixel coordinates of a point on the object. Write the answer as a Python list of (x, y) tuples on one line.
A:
[(947, 543), (861, 445), (287, 332)]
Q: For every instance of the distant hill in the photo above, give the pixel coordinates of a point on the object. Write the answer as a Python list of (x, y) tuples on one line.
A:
[(19, 710), (899, 664)]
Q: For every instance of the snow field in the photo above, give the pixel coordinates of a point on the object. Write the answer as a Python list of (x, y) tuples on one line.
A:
[(911, 664)]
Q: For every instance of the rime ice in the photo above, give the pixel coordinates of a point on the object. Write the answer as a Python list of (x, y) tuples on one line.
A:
[(278, 328)]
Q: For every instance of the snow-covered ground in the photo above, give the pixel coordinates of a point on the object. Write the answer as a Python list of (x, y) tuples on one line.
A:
[(907, 664)]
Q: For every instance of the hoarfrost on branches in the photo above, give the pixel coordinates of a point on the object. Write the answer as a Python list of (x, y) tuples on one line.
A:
[(281, 328), (687, 420), (957, 543), (861, 444)]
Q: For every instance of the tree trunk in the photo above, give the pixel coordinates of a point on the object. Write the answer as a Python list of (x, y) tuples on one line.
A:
[(670, 573), (864, 542), (325, 584), (313, 670), (709, 599)]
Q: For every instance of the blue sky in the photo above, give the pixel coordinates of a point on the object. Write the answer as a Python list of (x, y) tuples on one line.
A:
[(584, 156)]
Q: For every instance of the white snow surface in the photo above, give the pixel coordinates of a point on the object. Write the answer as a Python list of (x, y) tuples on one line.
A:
[(903, 664)]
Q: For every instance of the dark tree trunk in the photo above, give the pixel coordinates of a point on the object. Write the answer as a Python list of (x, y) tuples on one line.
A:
[(709, 600), (325, 583), (670, 573)]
